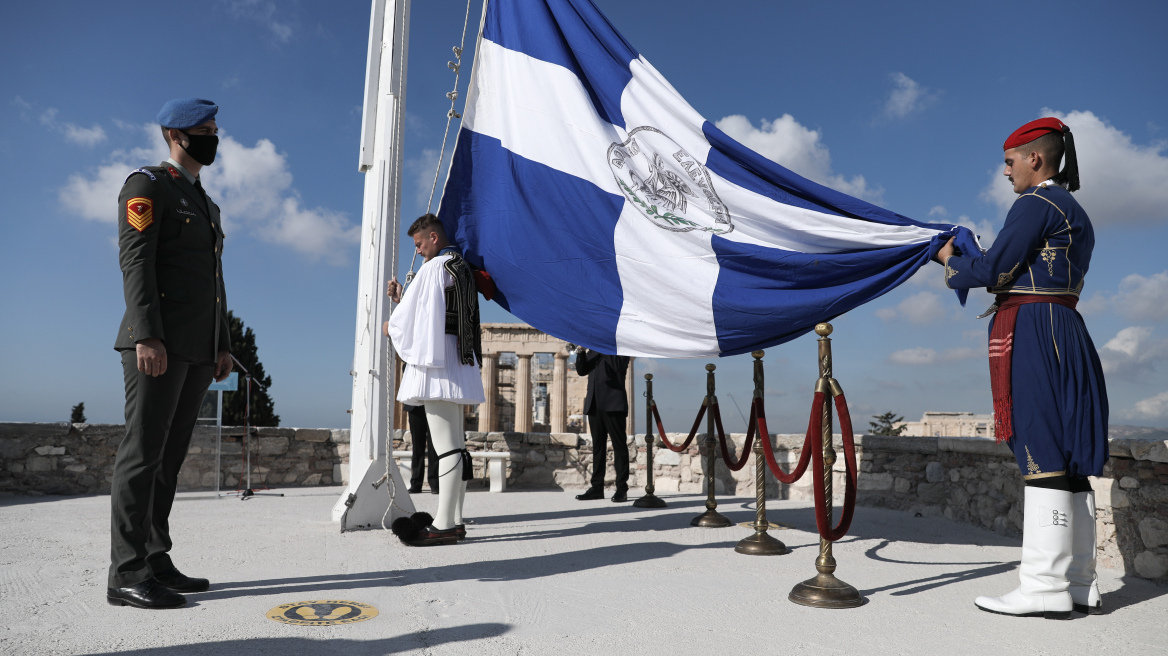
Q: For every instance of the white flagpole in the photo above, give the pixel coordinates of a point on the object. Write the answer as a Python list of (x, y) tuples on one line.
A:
[(362, 505)]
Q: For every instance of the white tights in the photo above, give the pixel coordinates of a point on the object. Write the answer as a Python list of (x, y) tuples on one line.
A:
[(446, 430)]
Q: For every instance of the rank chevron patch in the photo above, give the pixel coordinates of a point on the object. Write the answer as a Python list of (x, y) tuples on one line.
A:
[(140, 213)]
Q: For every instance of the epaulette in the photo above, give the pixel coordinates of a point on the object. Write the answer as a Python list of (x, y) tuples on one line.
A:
[(148, 173)]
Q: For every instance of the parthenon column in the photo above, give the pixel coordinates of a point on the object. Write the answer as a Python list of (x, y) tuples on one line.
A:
[(487, 411), (523, 394), (557, 404)]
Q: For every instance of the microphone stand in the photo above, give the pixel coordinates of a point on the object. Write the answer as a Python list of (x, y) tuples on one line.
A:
[(248, 492)]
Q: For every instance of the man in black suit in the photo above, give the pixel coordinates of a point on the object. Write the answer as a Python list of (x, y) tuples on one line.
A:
[(607, 407), (425, 459), (173, 340)]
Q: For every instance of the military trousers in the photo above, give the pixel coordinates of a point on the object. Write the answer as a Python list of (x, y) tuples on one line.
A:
[(160, 416), (605, 427)]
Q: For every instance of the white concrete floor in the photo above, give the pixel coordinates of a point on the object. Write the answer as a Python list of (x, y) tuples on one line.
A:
[(541, 573)]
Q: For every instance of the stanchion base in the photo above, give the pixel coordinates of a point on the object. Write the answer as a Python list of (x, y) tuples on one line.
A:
[(825, 591), (761, 544), (711, 519), (649, 501)]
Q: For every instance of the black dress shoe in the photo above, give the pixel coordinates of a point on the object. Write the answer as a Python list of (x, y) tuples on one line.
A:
[(416, 489), (621, 495), (179, 582), (1097, 609), (461, 530), (430, 536), (591, 494), (147, 594)]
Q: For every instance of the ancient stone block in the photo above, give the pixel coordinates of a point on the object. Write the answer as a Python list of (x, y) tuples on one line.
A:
[(565, 439), (666, 457), (49, 450), (875, 482), (270, 446), (312, 434), (340, 435), (1154, 493), (1151, 565), (535, 456), (76, 468), (1129, 482), (934, 472), (311, 479), (38, 464), (1154, 532), (902, 485)]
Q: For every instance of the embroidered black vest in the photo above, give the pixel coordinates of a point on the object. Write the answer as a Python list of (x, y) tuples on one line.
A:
[(462, 309)]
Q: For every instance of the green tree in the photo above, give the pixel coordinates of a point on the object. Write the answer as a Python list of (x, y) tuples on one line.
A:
[(886, 424), (243, 347), (78, 416)]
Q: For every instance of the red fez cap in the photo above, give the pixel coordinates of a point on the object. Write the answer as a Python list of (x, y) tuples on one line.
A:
[(1034, 130)]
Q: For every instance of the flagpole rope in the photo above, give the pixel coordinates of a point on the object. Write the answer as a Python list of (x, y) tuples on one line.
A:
[(455, 66)]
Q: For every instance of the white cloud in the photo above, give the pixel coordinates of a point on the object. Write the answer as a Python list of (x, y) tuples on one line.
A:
[(907, 96), (927, 356), (920, 308), (939, 210), (1133, 353), (264, 13), (1098, 303), (797, 148), (1123, 182), (1154, 407), (1143, 299), (252, 185), (74, 133)]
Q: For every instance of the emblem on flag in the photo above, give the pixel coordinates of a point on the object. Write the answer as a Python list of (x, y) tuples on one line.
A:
[(668, 185), (140, 213)]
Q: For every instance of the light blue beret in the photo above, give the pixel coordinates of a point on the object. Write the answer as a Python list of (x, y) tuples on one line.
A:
[(186, 113)]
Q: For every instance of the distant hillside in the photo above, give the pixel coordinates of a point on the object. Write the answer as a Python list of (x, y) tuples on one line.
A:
[(1136, 433)]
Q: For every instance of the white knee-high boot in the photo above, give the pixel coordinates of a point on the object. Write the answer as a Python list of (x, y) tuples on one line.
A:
[(1084, 583), (446, 430), (1046, 556)]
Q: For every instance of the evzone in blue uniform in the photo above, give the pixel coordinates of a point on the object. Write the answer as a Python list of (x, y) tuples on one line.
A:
[(1050, 400)]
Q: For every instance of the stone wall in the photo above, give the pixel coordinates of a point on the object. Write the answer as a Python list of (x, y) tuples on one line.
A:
[(79, 458), (968, 480)]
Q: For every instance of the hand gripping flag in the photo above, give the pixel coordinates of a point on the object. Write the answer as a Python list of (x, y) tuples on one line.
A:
[(610, 214)]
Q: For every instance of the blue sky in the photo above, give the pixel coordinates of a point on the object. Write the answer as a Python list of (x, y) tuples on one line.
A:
[(905, 104)]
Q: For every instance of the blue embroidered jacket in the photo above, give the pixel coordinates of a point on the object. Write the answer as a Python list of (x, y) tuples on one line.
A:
[(1044, 248)]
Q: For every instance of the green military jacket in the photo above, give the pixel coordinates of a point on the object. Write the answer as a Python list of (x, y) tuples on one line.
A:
[(170, 244)]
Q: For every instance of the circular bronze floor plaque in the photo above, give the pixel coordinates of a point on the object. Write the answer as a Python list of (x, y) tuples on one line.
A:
[(322, 613)]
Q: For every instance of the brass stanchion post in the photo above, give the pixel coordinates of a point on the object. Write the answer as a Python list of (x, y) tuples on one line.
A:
[(711, 518), (760, 544), (824, 590), (650, 500)]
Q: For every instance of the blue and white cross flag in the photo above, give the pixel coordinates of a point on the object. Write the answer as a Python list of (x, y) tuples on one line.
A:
[(611, 214)]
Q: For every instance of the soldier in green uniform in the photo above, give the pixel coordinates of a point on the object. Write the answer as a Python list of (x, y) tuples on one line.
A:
[(173, 340)]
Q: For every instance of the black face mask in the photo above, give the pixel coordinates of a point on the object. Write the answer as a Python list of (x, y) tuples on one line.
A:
[(202, 147)]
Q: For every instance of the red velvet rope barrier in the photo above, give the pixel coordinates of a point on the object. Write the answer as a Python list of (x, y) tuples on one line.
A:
[(733, 464), (693, 431), (822, 520), (757, 410)]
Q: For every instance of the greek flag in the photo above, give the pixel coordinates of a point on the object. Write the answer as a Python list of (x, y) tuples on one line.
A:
[(612, 215)]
